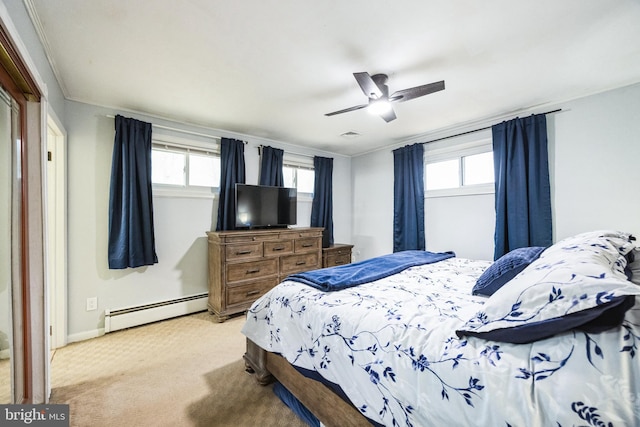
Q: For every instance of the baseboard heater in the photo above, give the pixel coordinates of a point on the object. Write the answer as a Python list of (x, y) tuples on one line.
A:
[(123, 318)]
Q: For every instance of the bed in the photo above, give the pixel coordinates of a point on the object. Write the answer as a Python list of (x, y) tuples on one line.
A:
[(540, 337)]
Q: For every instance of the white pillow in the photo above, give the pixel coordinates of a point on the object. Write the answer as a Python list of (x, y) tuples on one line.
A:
[(579, 282)]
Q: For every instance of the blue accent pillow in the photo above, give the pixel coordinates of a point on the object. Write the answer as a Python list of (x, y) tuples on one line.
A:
[(633, 266), (505, 268), (578, 283)]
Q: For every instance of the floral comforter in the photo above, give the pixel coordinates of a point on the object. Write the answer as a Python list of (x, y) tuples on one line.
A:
[(391, 346)]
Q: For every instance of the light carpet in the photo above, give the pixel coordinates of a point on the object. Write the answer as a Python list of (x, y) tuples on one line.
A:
[(186, 371)]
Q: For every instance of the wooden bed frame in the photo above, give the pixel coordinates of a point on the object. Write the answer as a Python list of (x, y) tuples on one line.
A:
[(328, 407)]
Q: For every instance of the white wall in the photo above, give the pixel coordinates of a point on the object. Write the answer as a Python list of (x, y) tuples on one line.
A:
[(461, 224), (372, 186), (180, 223), (597, 160), (594, 155)]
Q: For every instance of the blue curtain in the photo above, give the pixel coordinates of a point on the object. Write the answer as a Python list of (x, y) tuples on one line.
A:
[(271, 167), (322, 206), (131, 235), (408, 198), (231, 172), (523, 200)]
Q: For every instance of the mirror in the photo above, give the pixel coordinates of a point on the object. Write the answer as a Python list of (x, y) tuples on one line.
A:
[(9, 229)]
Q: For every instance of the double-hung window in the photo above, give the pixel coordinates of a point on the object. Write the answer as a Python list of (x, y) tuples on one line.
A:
[(459, 170), (184, 170)]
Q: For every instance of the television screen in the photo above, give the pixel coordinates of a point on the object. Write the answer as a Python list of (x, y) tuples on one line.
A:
[(260, 206)]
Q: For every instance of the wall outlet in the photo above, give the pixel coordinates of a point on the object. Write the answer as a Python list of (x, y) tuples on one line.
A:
[(92, 304)]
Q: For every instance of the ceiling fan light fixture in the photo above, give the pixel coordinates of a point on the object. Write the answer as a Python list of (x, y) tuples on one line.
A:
[(376, 89), (379, 106)]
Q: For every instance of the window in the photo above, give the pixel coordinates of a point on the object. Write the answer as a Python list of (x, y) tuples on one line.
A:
[(167, 167), (299, 178), (478, 169), (298, 173), (444, 174), (204, 170), (460, 170), (187, 171)]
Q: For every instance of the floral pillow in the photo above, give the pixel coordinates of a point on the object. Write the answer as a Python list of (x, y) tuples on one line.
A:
[(505, 268), (578, 283)]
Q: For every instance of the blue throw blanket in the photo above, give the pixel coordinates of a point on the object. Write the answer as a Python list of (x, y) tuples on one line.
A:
[(348, 275)]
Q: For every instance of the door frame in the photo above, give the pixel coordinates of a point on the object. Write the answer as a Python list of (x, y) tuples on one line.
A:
[(56, 231)]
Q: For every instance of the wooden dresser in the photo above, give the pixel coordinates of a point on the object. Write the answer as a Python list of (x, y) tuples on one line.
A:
[(245, 264), (336, 254)]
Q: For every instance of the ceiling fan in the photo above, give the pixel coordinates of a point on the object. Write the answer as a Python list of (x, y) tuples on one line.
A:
[(376, 89)]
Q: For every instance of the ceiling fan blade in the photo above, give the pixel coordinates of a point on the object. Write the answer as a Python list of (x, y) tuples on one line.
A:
[(415, 92), (388, 116), (346, 110), (368, 86)]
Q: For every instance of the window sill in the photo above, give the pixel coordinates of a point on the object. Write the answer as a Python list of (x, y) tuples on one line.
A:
[(470, 190), (165, 192)]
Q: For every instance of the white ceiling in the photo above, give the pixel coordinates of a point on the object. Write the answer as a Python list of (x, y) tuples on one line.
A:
[(273, 68)]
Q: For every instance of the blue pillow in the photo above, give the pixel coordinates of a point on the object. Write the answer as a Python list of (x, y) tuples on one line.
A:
[(578, 283), (632, 270), (505, 268)]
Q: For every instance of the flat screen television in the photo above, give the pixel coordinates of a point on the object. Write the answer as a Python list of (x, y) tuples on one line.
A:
[(261, 206)]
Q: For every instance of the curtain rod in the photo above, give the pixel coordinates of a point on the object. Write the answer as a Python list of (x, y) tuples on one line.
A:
[(478, 130), (288, 152), (217, 138)]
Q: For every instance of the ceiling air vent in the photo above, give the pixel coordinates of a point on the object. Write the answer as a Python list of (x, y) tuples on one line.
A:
[(350, 135)]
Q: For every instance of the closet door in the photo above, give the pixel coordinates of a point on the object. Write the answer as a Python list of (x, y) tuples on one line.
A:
[(10, 272), (23, 327)]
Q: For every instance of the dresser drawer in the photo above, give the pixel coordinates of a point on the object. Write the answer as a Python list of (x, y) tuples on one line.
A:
[(248, 250), (282, 247), (248, 238), (309, 244), (336, 254), (333, 260), (297, 263), (247, 293), (252, 269), (297, 234)]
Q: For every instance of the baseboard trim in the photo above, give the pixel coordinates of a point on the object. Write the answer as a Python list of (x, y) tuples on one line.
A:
[(128, 317)]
